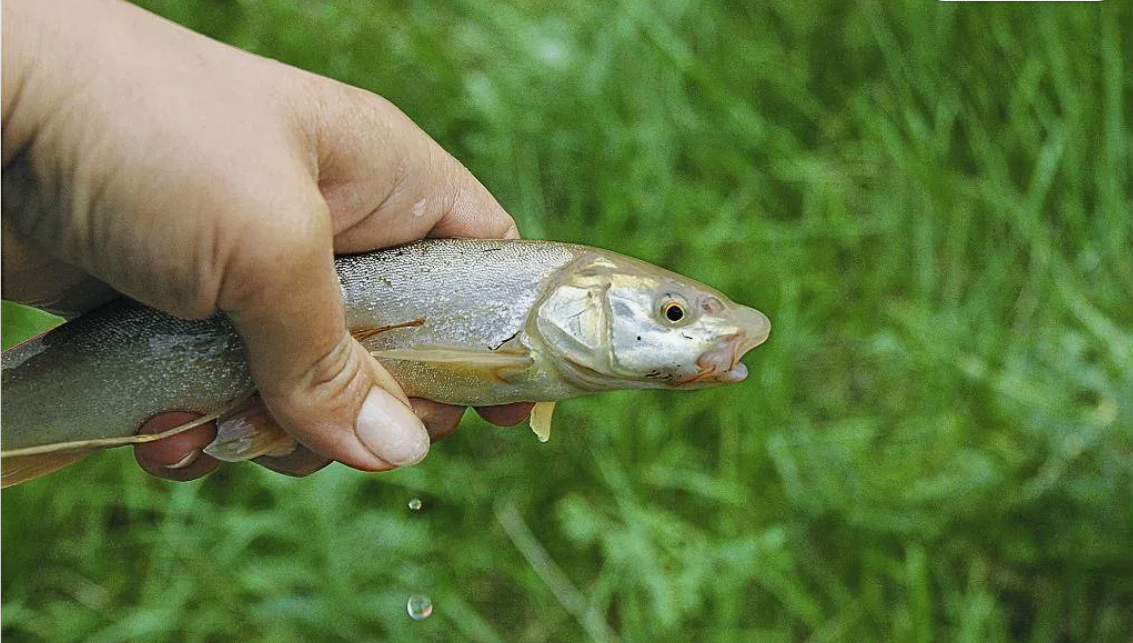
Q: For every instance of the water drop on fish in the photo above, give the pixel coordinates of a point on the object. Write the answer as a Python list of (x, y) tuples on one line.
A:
[(419, 607), (415, 504)]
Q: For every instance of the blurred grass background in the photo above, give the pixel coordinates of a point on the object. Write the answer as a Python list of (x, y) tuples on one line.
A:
[(931, 201)]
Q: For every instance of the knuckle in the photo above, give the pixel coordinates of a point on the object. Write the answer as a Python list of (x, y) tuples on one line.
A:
[(333, 367), (335, 376)]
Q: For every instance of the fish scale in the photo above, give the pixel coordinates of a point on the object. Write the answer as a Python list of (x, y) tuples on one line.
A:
[(468, 322), (106, 373), (471, 293)]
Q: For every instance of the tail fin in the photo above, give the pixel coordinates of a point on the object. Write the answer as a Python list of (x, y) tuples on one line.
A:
[(21, 468), (20, 465)]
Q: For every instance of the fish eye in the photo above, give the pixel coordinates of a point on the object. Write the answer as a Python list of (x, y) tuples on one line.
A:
[(673, 311)]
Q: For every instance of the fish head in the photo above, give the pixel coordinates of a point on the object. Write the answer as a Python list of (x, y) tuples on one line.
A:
[(618, 322)]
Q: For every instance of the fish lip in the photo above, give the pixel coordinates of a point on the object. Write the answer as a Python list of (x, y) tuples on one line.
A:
[(737, 373), (708, 376), (748, 344), (759, 326), (718, 365), (742, 343), (732, 347)]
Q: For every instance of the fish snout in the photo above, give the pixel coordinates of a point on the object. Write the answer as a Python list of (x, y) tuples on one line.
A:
[(754, 327), (721, 363)]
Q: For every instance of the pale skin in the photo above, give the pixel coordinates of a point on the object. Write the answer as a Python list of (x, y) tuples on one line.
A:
[(144, 159)]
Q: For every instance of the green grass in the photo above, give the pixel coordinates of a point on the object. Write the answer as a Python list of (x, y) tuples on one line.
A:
[(932, 201)]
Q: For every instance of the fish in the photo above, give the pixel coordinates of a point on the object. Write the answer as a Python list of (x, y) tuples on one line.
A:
[(468, 322)]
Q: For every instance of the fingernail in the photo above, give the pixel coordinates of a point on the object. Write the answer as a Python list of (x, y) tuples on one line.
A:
[(390, 430), (186, 461)]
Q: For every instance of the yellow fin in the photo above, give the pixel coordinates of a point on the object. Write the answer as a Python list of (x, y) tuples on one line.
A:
[(454, 361), (541, 420), (458, 355), (249, 432)]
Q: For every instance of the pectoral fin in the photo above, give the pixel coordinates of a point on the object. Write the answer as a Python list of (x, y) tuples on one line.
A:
[(456, 355), (249, 432), (541, 420), (504, 365)]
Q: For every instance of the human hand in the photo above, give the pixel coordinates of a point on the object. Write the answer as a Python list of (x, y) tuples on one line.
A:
[(142, 158)]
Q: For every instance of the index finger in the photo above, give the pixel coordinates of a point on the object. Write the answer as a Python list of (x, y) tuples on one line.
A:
[(386, 182)]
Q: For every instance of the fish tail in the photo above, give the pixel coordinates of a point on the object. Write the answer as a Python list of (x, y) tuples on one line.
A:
[(20, 465), (17, 469), (244, 431)]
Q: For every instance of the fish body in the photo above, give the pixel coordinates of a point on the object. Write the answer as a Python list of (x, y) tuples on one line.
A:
[(467, 322)]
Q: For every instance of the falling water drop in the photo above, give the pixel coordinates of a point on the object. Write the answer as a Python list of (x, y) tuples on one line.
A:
[(419, 607), (415, 504)]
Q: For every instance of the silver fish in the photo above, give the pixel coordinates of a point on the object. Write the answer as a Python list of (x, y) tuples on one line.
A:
[(468, 322)]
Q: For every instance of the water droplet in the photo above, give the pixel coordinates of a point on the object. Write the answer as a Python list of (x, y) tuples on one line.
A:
[(419, 607), (415, 504), (418, 208)]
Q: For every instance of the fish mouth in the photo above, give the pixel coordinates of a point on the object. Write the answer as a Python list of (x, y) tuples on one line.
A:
[(721, 364), (755, 328)]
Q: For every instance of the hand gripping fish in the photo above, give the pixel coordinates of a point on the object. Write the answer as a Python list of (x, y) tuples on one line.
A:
[(466, 322)]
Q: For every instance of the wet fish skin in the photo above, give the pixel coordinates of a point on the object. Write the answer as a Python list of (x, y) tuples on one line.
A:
[(105, 373), (471, 322)]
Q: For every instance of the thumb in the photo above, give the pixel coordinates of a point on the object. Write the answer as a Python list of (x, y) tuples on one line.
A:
[(320, 384)]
